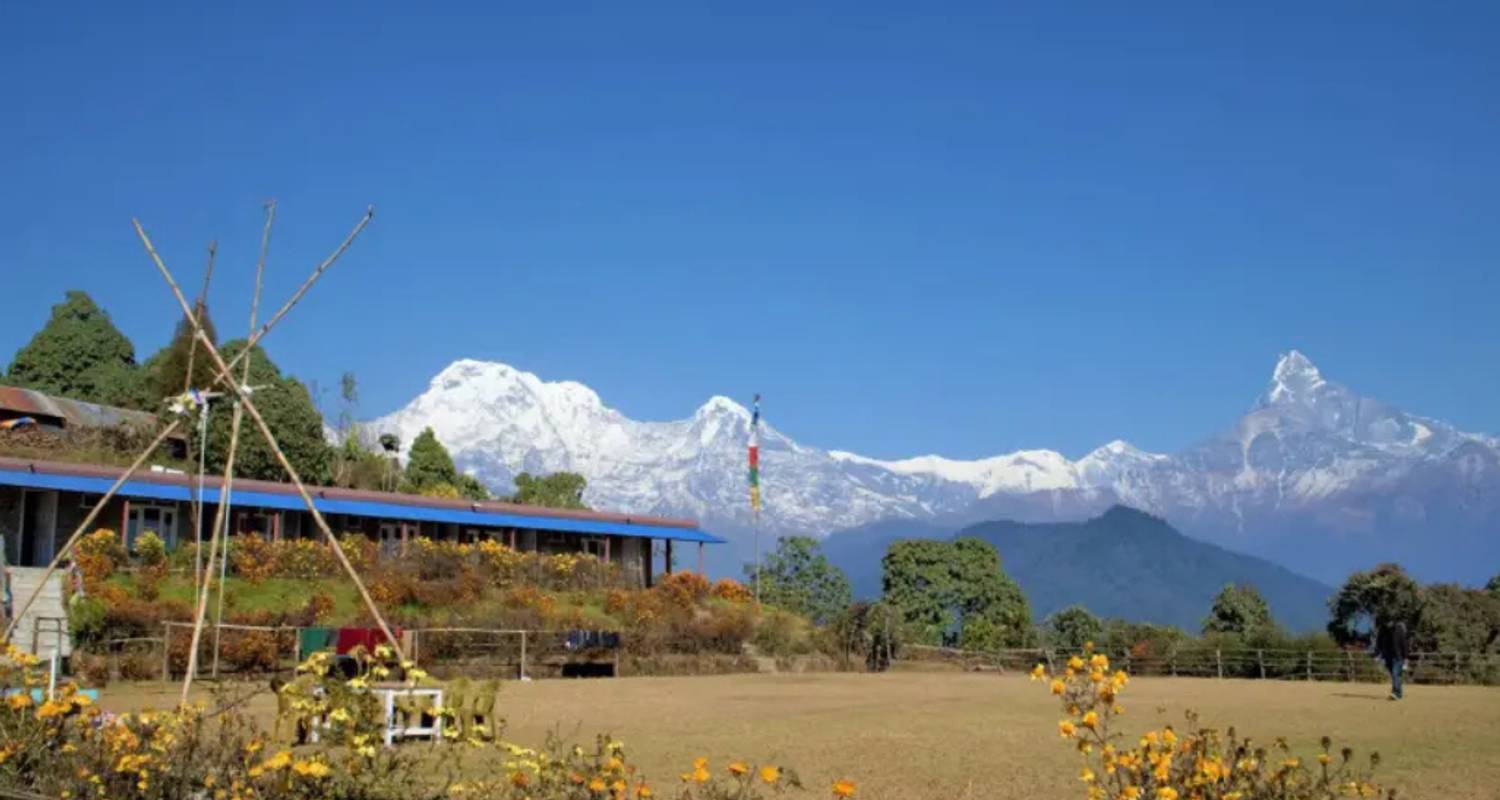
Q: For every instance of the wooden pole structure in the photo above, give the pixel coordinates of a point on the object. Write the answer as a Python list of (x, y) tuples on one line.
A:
[(270, 438), (213, 551), (87, 521), (195, 507), (260, 272)]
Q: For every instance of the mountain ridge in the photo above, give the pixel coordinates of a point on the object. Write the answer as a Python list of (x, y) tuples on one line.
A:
[(1312, 475)]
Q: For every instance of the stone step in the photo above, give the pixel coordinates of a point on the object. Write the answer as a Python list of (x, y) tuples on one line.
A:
[(44, 628)]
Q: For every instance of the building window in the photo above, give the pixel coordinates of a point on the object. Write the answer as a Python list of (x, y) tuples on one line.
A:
[(595, 547), (161, 520)]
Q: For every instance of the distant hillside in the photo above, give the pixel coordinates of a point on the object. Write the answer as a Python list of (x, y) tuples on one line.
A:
[(1123, 563), (1129, 564)]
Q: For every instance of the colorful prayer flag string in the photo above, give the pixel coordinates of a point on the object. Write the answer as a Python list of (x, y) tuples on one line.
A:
[(755, 457)]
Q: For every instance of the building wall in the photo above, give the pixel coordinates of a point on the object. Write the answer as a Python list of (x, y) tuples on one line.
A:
[(10, 522)]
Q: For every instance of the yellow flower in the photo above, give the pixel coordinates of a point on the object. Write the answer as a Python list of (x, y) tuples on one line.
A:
[(1091, 720), (1169, 737), (1130, 793), (770, 774), (1087, 775), (1166, 793), (643, 791), (843, 788), (520, 779), (311, 769), (700, 763), (1058, 687), (281, 760), (1038, 672), (738, 768), (1099, 661), (701, 775), (1075, 663), (1066, 729), (19, 700), (1291, 763), (597, 785)]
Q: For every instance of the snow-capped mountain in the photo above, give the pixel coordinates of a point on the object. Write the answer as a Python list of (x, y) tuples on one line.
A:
[(1313, 474)]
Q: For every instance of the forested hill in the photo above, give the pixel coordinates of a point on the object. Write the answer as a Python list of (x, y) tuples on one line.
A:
[(1129, 564)]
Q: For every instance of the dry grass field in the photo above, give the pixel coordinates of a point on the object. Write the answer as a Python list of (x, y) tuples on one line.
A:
[(953, 735)]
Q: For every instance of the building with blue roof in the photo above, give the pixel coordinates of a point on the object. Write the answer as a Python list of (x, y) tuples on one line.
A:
[(43, 502)]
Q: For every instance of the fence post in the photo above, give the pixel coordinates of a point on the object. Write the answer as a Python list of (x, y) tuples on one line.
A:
[(1260, 656), (1126, 659), (1309, 665), (1349, 666), (1219, 661), (166, 652), (1457, 669), (523, 655)]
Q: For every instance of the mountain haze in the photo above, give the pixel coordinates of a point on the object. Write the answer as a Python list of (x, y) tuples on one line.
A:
[(1314, 475)]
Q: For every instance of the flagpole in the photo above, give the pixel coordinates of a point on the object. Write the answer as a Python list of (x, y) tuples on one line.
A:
[(754, 455)]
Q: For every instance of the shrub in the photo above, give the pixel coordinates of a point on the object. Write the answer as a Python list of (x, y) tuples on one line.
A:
[(150, 550), (1198, 762), (304, 558), (682, 589), (253, 558), (732, 590), (97, 555), (320, 607)]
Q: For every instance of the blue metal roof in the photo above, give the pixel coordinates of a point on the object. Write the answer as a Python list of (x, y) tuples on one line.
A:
[(360, 508)]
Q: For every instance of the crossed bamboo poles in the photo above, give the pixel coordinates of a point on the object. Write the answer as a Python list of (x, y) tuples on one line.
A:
[(243, 405)]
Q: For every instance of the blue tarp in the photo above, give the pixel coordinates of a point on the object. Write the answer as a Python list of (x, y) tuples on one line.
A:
[(360, 508)]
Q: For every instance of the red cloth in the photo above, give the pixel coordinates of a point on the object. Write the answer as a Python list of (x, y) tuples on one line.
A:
[(368, 638)]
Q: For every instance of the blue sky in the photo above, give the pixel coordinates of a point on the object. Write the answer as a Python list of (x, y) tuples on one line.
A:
[(962, 232)]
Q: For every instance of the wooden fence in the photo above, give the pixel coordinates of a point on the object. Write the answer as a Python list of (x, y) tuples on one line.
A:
[(1253, 663)]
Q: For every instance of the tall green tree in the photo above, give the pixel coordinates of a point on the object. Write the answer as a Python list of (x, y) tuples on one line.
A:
[(1238, 609), (1072, 628), (428, 463), (289, 412), (557, 490), (797, 576), (80, 354), (955, 591), (168, 367), (1383, 595), (430, 470), (1457, 619)]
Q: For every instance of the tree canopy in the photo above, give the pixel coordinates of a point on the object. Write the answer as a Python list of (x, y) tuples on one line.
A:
[(80, 354), (1072, 628), (797, 576), (166, 369), (430, 471), (558, 490), (287, 408), (1238, 609), (1383, 595), (955, 591)]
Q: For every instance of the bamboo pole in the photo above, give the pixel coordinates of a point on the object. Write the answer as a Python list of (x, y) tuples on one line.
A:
[(196, 506), (270, 438), (87, 521), (213, 551), (260, 272)]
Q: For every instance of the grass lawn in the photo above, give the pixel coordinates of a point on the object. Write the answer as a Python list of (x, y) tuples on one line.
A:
[(951, 735)]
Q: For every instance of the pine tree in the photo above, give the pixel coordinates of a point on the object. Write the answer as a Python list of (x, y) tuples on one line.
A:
[(288, 409), (428, 464), (80, 354), (166, 369)]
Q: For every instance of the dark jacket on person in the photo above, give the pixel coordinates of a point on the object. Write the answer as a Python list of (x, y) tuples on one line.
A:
[(1390, 642)]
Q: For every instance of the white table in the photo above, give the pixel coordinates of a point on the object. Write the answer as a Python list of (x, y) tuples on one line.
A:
[(393, 729)]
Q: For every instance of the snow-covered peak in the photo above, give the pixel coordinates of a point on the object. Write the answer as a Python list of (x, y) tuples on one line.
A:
[(1295, 378), (719, 405), (1021, 471)]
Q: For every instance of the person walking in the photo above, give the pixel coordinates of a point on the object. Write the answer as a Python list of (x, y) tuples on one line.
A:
[(1391, 648)]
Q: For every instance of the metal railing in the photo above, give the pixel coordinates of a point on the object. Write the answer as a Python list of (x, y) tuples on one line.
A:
[(1251, 663)]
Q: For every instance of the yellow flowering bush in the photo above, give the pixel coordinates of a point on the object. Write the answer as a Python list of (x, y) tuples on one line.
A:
[(66, 747), (1197, 763)]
